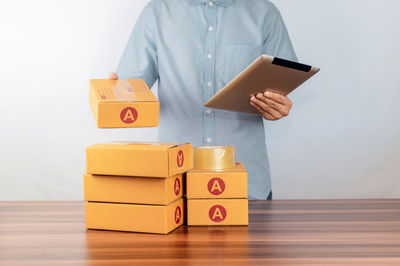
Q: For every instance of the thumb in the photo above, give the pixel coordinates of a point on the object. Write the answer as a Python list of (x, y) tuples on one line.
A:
[(113, 76)]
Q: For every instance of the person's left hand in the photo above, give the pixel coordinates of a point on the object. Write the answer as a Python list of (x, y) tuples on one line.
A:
[(272, 106)]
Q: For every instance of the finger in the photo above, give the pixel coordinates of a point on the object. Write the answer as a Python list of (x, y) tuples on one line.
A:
[(282, 109), (113, 76), (264, 114), (256, 100), (278, 98), (261, 101), (257, 107), (277, 106)]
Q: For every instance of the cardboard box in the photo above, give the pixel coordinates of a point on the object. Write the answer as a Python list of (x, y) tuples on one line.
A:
[(214, 212), (139, 190), (146, 159), (204, 184), (123, 103), (135, 218)]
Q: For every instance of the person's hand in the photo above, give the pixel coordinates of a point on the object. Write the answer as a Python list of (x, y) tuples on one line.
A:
[(272, 106), (113, 76)]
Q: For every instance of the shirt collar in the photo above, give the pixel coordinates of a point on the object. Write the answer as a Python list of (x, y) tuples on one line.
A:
[(219, 2)]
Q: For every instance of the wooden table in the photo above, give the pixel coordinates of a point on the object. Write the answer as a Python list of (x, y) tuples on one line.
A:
[(341, 232)]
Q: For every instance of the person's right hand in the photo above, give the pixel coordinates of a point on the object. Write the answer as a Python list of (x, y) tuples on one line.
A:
[(113, 76)]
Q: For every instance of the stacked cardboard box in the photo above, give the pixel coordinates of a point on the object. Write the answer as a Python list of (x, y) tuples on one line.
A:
[(134, 186), (217, 197)]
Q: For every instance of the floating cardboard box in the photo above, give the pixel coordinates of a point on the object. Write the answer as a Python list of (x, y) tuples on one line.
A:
[(138, 190), (145, 159), (123, 103), (135, 218), (214, 212), (205, 184)]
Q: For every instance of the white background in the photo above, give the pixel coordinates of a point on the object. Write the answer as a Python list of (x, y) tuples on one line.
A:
[(342, 139)]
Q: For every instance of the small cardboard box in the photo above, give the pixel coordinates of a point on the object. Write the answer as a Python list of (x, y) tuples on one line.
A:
[(123, 103), (214, 212), (230, 183), (137, 190), (135, 218), (145, 159)]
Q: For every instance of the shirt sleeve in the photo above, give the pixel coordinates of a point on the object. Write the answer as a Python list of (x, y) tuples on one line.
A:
[(277, 41), (139, 59)]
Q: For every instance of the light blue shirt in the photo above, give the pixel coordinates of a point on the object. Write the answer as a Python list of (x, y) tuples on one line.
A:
[(194, 48)]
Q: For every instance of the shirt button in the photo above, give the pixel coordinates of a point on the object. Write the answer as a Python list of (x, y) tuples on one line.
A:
[(211, 28), (209, 56), (209, 111), (209, 140), (210, 3), (209, 84)]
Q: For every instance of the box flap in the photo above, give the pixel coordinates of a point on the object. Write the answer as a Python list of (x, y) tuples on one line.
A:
[(239, 167), (138, 145), (122, 90)]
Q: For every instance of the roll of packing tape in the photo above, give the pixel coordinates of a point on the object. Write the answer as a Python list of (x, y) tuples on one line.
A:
[(213, 157)]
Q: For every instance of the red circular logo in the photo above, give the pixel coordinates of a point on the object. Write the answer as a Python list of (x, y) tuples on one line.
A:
[(129, 115), (217, 213), (180, 158), (178, 214), (177, 186), (216, 186)]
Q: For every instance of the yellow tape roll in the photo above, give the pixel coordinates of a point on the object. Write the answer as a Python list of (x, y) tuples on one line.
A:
[(213, 157)]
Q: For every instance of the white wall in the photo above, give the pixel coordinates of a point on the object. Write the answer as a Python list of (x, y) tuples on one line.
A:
[(341, 141), (343, 138)]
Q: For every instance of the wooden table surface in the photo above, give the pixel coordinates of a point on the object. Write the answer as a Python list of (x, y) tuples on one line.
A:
[(341, 232)]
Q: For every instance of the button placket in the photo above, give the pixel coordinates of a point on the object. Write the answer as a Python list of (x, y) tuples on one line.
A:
[(209, 70)]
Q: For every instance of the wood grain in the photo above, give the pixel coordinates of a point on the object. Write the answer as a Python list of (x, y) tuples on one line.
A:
[(341, 232)]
